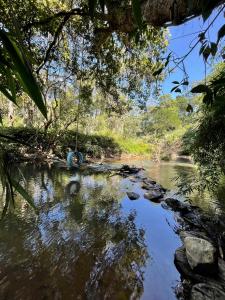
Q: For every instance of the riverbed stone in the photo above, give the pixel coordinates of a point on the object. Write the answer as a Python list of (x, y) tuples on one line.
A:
[(199, 234), (201, 255), (132, 195), (209, 291), (154, 196), (149, 181), (221, 272), (184, 268), (177, 205), (147, 186)]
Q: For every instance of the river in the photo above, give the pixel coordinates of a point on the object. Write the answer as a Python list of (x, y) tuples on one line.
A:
[(89, 241)]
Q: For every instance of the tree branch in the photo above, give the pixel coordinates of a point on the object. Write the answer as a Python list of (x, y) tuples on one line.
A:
[(52, 44)]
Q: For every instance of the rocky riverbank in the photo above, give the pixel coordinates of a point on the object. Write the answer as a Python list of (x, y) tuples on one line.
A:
[(200, 260)]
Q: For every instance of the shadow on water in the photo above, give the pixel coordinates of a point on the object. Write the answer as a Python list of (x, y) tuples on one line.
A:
[(81, 245)]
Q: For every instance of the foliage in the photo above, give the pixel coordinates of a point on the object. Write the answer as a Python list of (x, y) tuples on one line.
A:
[(206, 141), (15, 70)]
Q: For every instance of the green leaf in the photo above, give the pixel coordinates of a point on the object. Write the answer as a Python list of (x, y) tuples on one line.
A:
[(206, 52), (213, 49), (23, 72), (136, 5), (175, 82), (201, 88), (207, 99), (168, 59), (11, 84), (201, 36), (92, 6), (18, 187), (206, 13), (7, 94), (1, 121), (221, 33), (189, 108), (158, 72), (102, 4), (174, 88), (5, 207), (185, 82), (202, 48), (178, 90)]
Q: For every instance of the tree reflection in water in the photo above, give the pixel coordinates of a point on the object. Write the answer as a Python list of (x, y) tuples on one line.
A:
[(81, 246)]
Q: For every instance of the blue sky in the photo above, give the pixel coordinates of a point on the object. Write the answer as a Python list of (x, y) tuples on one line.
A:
[(180, 42)]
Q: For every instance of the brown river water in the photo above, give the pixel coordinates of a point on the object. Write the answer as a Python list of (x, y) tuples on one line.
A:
[(90, 241)]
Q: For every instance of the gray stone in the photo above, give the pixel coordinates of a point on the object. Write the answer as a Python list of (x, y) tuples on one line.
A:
[(183, 267), (153, 196), (149, 181), (132, 195), (203, 291), (177, 205), (146, 186), (201, 255), (221, 267), (199, 234)]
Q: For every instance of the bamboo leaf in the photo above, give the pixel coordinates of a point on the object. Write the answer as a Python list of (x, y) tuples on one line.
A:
[(18, 187), (7, 94), (11, 84), (23, 72)]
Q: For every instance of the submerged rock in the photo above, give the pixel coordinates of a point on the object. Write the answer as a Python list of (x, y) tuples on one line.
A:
[(132, 195), (201, 255), (153, 196), (209, 291)]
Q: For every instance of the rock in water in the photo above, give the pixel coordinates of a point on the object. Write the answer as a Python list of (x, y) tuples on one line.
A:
[(146, 186), (177, 205), (153, 196), (203, 291), (201, 255), (132, 195)]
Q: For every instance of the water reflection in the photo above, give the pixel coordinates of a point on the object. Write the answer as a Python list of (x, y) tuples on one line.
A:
[(80, 246)]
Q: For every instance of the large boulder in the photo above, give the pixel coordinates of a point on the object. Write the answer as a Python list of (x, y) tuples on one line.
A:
[(199, 234), (207, 291), (201, 255), (184, 268)]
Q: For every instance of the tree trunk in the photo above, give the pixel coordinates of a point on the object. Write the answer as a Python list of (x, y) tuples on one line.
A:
[(160, 12)]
